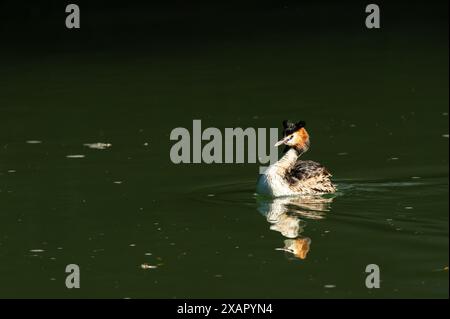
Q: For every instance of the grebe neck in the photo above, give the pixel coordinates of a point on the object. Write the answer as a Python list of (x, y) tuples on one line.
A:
[(288, 160)]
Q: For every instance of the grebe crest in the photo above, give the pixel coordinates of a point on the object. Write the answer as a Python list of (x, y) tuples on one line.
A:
[(290, 175)]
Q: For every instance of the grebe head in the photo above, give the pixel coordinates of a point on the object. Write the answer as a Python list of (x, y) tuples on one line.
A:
[(295, 136)]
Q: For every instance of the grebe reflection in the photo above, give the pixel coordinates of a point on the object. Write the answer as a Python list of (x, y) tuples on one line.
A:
[(289, 215)]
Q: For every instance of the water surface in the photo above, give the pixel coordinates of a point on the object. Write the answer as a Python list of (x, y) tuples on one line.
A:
[(376, 108)]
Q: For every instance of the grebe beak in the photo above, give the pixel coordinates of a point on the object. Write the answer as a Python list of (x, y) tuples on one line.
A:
[(282, 141)]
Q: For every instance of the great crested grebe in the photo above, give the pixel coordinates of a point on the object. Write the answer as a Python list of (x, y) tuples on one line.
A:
[(290, 175)]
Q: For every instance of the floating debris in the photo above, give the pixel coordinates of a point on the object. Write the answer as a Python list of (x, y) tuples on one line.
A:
[(33, 142), (211, 195), (145, 144), (147, 266), (132, 245), (409, 207), (76, 156), (394, 158), (329, 286), (148, 254), (441, 269), (36, 250), (98, 146), (445, 135), (342, 154), (11, 171)]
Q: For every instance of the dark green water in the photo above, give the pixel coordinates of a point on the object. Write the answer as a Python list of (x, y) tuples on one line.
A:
[(376, 107)]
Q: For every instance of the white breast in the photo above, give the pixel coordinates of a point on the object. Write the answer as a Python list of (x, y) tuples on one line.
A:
[(273, 184)]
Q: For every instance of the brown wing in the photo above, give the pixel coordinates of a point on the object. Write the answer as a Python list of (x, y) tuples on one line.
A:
[(312, 175)]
